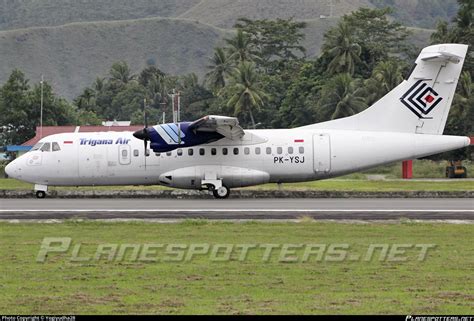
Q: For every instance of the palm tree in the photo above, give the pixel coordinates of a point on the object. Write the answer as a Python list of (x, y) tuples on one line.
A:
[(99, 84), (342, 96), (388, 74), (86, 100), (461, 116), (219, 69), (246, 93), (385, 76), (120, 73), (240, 48), (443, 33), (464, 94), (340, 47)]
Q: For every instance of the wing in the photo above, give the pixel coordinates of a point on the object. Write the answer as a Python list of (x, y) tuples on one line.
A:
[(226, 126)]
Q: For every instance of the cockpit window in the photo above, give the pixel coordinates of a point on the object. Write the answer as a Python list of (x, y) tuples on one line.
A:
[(56, 147), (37, 146), (46, 147)]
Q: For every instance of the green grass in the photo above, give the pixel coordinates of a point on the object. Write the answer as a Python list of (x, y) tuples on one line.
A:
[(442, 284), (374, 186)]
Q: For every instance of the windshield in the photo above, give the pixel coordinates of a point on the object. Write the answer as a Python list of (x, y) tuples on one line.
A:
[(36, 147), (46, 147)]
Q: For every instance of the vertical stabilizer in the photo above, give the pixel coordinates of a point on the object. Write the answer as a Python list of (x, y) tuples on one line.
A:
[(420, 104)]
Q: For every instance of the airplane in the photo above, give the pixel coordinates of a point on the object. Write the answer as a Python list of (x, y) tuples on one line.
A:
[(217, 154)]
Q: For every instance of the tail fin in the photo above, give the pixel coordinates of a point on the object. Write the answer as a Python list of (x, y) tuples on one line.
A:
[(420, 104)]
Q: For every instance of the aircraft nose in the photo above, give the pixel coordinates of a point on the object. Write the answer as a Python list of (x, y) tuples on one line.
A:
[(11, 169)]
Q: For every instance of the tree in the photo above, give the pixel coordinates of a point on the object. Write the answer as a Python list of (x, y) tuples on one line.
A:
[(149, 74), (274, 40), (340, 46), (219, 69), (20, 108), (342, 96), (120, 73), (240, 48), (128, 102), (245, 91), (385, 76), (86, 100), (88, 118), (443, 33), (461, 31), (298, 105), (362, 39), (461, 116), (15, 109)]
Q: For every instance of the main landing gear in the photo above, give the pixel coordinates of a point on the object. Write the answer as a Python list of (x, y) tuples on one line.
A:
[(218, 189), (221, 192), (40, 190)]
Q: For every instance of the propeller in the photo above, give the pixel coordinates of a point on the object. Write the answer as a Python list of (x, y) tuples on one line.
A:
[(143, 134)]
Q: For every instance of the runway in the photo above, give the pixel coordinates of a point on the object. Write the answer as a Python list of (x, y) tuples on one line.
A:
[(322, 209)]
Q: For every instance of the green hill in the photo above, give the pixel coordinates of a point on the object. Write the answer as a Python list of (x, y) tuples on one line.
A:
[(39, 13), (72, 42), (73, 55), (223, 13)]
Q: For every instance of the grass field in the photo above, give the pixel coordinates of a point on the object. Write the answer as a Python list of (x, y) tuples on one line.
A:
[(441, 284)]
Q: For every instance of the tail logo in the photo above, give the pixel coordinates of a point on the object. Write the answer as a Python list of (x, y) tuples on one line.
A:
[(421, 99)]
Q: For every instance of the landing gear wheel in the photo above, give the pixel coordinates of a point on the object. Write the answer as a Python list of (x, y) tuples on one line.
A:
[(221, 192), (40, 194)]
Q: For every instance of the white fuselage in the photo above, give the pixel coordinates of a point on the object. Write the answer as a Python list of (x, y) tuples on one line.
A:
[(262, 156)]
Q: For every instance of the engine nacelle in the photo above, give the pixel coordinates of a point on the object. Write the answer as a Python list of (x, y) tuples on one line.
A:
[(191, 177), (167, 137)]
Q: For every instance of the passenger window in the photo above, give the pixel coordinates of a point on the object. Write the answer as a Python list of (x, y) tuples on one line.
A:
[(257, 150), (46, 147), (168, 153), (301, 149), (224, 151), (157, 154), (179, 152), (190, 152), (279, 150), (124, 153), (147, 152), (269, 150), (56, 147), (246, 150), (202, 152), (213, 151), (135, 152), (236, 151), (290, 150)]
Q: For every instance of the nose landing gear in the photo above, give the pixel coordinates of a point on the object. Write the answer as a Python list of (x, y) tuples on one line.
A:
[(40, 194)]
